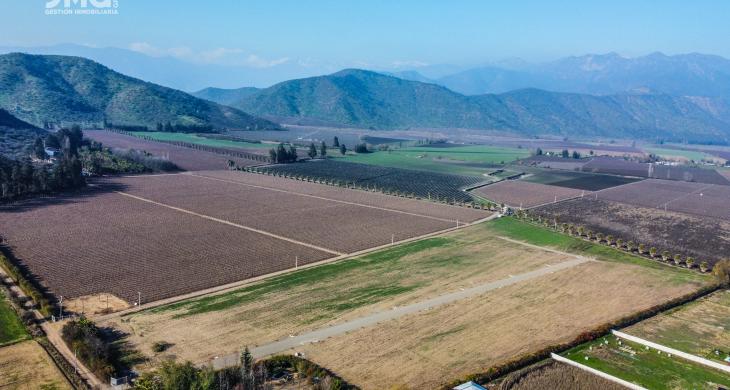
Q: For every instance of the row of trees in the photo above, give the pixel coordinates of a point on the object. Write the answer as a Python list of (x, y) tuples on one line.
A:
[(281, 154), (167, 127), (312, 153), (247, 375), (610, 240)]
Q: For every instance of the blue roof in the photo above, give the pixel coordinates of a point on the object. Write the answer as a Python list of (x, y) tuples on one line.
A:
[(469, 386)]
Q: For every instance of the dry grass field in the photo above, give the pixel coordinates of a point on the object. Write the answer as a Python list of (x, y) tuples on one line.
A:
[(426, 349), (700, 328), (432, 348), (203, 328), (26, 366)]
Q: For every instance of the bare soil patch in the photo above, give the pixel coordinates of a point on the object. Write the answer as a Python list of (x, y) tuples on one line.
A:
[(524, 194)]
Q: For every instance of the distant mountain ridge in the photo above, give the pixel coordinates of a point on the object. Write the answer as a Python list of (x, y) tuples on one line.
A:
[(61, 89), (602, 74), (368, 99), (223, 95)]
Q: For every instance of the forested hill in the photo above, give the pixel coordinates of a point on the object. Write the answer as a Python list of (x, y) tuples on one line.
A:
[(372, 100), (63, 90), (9, 121), (225, 96)]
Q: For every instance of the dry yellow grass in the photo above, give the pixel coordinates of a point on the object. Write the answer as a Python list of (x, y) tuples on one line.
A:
[(92, 305), (434, 347), (27, 366), (467, 259), (699, 328)]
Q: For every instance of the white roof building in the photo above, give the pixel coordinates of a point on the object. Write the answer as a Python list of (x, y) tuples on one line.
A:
[(469, 386)]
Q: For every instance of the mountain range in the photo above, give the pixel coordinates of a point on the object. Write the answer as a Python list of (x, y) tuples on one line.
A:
[(681, 75), (360, 98), (60, 89), (224, 95)]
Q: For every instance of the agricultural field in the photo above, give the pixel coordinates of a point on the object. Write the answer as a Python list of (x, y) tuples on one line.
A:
[(575, 180), (646, 367), (427, 185), (185, 158), (701, 328), (700, 237), (617, 166), (27, 366), (126, 235), (556, 376), (692, 198), (677, 154), (472, 160), (12, 329), (517, 193), (395, 351), (425, 349), (202, 140)]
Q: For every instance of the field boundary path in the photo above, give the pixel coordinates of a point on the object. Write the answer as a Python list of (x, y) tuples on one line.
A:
[(396, 312), (593, 371), (222, 289), (683, 355), (54, 338)]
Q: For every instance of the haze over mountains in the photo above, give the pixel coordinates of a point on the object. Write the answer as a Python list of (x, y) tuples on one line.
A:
[(61, 89), (685, 74)]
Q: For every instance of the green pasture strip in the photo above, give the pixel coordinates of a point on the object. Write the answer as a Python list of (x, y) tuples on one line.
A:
[(634, 363), (196, 139), (541, 236), (12, 329), (384, 260)]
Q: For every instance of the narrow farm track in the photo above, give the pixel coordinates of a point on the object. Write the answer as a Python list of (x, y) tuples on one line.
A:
[(324, 198), (396, 312), (231, 223)]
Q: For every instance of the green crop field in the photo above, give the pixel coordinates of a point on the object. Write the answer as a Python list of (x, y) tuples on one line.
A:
[(537, 235), (679, 154), (11, 329), (645, 367), (464, 160), (196, 139)]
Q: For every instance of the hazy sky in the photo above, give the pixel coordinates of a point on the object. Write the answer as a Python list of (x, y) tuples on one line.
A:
[(372, 33)]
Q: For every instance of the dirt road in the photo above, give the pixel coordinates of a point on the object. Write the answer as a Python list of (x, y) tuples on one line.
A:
[(396, 312)]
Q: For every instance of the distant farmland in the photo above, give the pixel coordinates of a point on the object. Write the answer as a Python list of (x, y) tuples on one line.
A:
[(172, 234), (403, 181), (185, 158), (517, 193), (692, 198)]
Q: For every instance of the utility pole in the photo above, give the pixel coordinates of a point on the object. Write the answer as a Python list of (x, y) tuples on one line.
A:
[(392, 239), (139, 298), (296, 262), (60, 308)]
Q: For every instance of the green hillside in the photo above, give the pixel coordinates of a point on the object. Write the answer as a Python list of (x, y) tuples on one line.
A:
[(62, 90), (371, 100)]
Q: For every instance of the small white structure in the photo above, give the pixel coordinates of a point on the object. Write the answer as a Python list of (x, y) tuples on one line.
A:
[(469, 386)]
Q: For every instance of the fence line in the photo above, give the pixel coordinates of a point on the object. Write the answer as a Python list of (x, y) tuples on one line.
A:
[(683, 355), (596, 372)]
